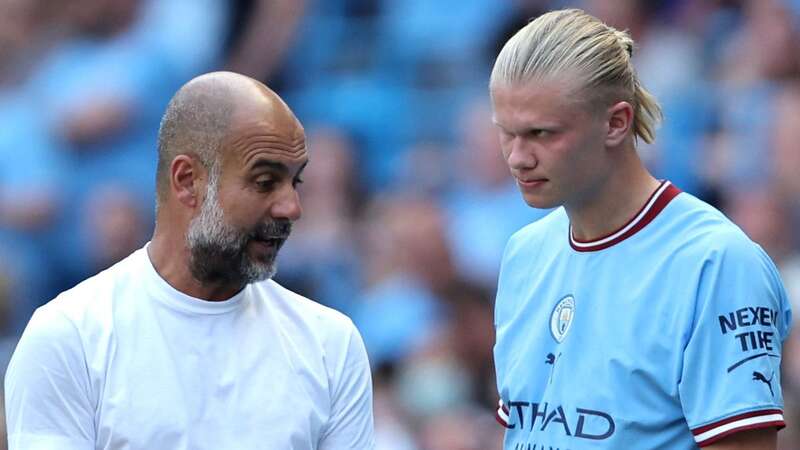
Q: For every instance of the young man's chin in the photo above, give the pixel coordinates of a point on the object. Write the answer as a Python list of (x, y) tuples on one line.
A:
[(539, 202)]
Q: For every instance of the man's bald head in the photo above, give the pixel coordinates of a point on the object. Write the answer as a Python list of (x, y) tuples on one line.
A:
[(200, 115)]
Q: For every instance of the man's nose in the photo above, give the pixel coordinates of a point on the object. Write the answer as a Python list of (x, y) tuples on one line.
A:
[(287, 206)]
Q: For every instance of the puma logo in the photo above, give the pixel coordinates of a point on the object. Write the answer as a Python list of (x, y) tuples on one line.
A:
[(551, 360), (758, 376)]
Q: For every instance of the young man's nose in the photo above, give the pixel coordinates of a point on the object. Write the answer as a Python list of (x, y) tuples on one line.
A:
[(520, 157)]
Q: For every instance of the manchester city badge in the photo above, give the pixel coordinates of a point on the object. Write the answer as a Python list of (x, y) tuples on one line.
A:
[(561, 318)]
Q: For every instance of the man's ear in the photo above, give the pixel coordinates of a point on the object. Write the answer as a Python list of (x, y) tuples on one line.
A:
[(185, 176), (620, 121)]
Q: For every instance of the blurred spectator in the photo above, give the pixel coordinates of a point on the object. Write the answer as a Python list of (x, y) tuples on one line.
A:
[(464, 429), (786, 144), (27, 29), (469, 335), (426, 169), (5, 295), (409, 267), (115, 226), (31, 176), (445, 386), (454, 369), (522, 12), (260, 34), (432, 382), (763, 54), (392, 426)]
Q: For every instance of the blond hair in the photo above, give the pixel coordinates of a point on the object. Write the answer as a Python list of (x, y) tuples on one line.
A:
[(571, 42)]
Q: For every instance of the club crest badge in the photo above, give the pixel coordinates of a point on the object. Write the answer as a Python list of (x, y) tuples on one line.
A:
[(561, 318)]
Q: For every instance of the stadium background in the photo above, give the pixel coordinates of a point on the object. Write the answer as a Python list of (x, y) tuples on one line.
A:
[(407, 202)]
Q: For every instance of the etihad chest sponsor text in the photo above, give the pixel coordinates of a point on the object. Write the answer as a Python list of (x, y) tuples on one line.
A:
[(583, 423)]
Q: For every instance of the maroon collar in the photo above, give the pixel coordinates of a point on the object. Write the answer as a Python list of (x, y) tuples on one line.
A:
[(658, 201)]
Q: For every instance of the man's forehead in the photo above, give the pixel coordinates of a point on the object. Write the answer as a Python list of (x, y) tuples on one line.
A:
[(257, 141), (291, 129)]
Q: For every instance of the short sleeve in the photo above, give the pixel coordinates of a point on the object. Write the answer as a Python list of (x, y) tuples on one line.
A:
[(730, 379), (48, 406), (351, 423)]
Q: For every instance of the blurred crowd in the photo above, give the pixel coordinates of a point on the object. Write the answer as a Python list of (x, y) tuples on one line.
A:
[(407, 201)]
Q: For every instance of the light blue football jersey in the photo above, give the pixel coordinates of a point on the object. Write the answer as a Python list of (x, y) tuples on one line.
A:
[(664, 335)]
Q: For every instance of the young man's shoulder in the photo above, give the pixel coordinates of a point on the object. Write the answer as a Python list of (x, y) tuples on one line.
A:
[(555, 223), (704, 224), (701, 232)]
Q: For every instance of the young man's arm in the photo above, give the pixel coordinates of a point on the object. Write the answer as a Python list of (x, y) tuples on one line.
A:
[(730, 381), (761, 439), (48, 404)]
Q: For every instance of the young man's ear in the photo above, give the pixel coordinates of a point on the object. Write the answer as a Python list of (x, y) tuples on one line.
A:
[(620, 121), (185, 178)]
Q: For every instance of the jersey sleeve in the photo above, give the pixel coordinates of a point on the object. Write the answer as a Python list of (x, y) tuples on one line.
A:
[(730, 379), (48, 405), (351, 422)]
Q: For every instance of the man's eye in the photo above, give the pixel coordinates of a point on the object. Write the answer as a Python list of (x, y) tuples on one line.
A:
[(297, 181), (265, 184)]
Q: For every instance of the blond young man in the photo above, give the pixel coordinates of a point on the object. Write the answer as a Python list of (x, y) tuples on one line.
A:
[(634, 316)]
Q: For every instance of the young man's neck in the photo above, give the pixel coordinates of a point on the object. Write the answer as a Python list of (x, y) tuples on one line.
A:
[(614, 203)]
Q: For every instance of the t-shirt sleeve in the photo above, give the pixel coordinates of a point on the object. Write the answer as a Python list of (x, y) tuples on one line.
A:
[(48, 405), (730, 378), (351, 423)]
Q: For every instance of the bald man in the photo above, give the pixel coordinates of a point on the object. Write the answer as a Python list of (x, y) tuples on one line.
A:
[(187, 343)]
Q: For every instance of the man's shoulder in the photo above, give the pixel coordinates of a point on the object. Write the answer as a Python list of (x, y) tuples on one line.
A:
[(310, 326), (302, 310), (94, 295), (76, 312)]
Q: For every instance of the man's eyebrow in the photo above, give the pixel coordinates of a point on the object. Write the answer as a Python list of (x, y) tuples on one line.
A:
[(274, 165), (265, 163)]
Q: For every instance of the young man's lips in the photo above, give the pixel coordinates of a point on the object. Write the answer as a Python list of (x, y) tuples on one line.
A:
[(531, 183)]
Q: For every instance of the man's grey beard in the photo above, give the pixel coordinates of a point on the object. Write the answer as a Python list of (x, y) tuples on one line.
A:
[(218, 250)]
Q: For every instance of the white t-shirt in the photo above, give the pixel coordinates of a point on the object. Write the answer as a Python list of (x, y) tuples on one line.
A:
[(124, 361)]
